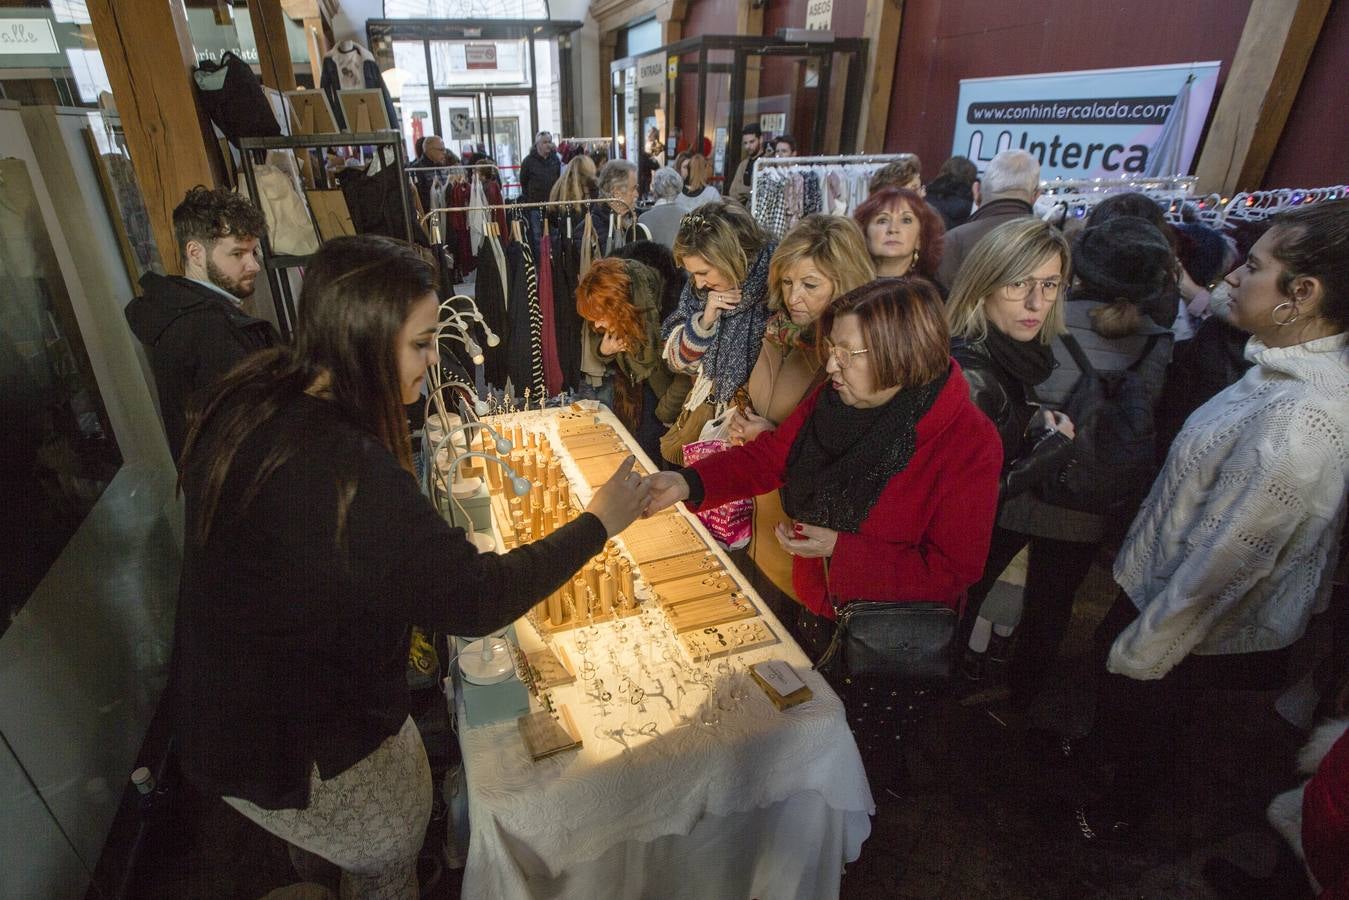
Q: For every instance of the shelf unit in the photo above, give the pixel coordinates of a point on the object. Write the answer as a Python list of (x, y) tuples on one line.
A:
[(277, 265)]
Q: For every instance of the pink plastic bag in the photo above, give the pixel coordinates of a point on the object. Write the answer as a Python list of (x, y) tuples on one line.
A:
[(731, 523)]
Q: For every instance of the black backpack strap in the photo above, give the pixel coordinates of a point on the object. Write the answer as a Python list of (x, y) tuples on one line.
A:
[(1147, 351), (1078, 354)]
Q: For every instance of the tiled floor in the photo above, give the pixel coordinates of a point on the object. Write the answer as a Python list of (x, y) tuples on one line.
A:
[(989, 820)]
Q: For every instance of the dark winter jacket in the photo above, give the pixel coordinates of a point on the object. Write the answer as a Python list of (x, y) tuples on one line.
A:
[(960, 241), (538, 175), (1028, 459), (193, 335)]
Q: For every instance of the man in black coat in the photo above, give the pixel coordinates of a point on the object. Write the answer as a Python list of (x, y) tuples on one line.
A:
[(194, 327), (540, 170)]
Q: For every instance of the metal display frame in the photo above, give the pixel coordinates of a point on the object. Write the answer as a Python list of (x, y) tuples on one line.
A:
[(275, 265)]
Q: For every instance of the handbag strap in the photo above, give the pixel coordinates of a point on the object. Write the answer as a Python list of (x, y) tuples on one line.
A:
[(837, 639)]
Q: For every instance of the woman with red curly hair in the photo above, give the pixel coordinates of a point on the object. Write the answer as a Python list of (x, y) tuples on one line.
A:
[(904, 234), (620, 301)]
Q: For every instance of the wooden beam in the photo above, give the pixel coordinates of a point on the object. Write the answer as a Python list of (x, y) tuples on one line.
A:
[(147, 51), (269, 30), (608, 45), (1266, 73), (882, 33)]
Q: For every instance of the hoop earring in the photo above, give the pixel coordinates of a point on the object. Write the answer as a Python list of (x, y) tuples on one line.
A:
[(1274, 314)]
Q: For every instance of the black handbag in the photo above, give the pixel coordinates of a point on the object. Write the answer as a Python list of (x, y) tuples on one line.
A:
[(232, 96), (897, 641)]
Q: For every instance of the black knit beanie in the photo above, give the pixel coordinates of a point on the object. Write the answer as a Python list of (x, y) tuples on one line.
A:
[(1126, 257)]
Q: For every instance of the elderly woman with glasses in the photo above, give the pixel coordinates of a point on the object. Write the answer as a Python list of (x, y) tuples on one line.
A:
[(889, 475)]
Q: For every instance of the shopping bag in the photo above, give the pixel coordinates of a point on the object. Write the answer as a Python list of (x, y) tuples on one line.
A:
[(731, 523)]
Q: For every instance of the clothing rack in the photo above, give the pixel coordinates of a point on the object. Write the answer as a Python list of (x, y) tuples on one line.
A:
[(1184, 184), (767, 164), (460, 166), (508, 206)]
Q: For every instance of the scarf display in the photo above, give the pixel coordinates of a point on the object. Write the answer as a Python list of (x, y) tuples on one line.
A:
[(843, 456), (1029, 362)]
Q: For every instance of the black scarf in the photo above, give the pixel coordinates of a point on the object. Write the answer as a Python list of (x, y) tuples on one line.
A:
[(1029, 362), (843, 457)]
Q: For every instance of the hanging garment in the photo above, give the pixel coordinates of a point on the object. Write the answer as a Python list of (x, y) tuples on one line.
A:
[(458, 237), (538, 383), (524, 366), (566, 265), (552, 363), (491, 300), (811, 201), (349, 66), (477, 218)]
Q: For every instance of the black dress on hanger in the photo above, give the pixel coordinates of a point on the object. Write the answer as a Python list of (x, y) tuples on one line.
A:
[(491, 300), (566, 264)]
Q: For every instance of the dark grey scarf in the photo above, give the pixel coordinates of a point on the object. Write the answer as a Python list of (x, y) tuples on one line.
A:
[(843, 457)]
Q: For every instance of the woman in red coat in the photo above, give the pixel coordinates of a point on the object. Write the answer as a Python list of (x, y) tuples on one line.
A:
[(888, 472)]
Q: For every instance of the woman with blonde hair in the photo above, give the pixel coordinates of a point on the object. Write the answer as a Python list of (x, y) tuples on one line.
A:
[(1005, 310), (578, 182), (698, 187), (820, 260), (718, 326)]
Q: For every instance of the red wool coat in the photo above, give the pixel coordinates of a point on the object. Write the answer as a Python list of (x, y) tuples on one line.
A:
[(925, 539)]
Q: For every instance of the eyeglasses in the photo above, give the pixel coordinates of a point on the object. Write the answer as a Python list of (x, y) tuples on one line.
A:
[(842, 355), (1020, 289)]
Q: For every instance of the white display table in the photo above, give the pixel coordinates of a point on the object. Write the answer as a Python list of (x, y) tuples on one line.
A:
[(703, 789)]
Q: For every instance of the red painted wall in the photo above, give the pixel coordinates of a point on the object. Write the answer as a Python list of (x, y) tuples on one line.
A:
[(1314, 148), (943, 41), (710, 17)]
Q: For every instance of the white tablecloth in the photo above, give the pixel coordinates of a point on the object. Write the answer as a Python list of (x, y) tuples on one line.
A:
[(762, 804)]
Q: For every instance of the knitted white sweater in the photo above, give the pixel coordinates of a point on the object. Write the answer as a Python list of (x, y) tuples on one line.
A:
[(1233, 548)]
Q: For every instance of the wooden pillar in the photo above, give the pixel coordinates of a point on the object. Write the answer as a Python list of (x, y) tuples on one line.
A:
[(1266, 73), (608, 43), (749, 22), (882, 33), (147, 51), (269, 30)]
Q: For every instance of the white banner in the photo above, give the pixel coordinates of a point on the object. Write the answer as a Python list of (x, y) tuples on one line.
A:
[(1105, 123)]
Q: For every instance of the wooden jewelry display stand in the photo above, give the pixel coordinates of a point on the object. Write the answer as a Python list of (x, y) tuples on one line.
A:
[(666, 554)]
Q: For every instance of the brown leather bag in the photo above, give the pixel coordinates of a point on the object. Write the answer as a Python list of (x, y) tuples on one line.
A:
[(686, 429)]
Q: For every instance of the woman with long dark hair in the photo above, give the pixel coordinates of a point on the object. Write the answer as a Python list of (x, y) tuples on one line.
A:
[(309, 555)]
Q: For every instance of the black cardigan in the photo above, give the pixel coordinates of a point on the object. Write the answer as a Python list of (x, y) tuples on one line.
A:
[(291, 653)]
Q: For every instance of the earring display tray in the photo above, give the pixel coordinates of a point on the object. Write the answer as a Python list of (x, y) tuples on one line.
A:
[(697, 563), (545, 736), (605, 445), (710, 611), (661, 537), (735, 637), (599, 469), (695, 587)]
